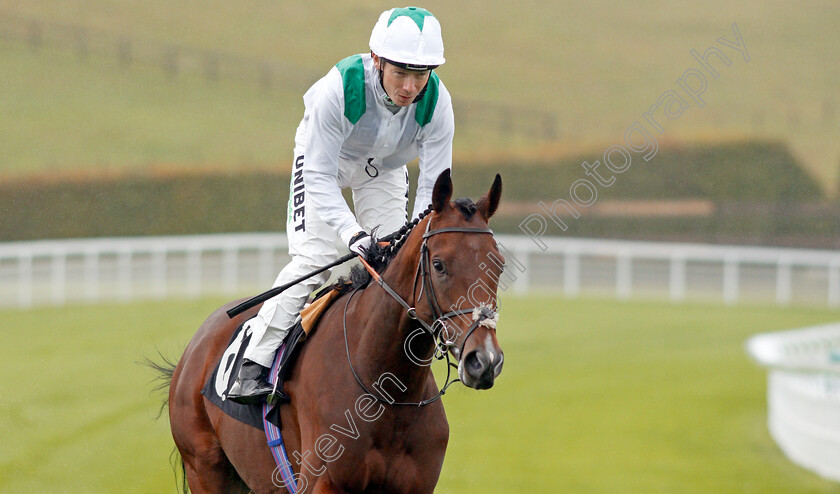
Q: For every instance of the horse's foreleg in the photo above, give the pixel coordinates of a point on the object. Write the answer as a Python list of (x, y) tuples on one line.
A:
[(207, 468), (209, 471)]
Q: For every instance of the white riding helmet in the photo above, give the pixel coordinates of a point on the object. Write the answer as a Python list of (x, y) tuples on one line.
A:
[(409, 36)]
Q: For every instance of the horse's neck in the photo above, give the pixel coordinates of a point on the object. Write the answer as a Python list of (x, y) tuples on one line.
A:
[(381, 347)]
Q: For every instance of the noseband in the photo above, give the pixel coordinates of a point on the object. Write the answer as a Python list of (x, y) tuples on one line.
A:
[(481, 315)]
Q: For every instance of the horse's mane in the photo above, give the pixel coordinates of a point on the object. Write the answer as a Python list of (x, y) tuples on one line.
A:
[(380, 254)]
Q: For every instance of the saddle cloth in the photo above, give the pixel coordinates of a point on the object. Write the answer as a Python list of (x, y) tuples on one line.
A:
[(223, 376)]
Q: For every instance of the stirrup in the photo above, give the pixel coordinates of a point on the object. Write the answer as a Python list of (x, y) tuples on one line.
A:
[(277, 397), (249, 399)]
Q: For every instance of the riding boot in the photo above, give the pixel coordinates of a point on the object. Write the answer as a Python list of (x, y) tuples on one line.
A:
[(250, 386)]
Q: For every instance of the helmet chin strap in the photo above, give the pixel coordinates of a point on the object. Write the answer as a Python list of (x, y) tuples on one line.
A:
[(422, 93)]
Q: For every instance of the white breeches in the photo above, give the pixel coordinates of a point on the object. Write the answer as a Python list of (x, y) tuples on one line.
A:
[(379, 202)]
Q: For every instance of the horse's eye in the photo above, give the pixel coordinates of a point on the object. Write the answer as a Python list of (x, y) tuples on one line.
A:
[(438, 265)]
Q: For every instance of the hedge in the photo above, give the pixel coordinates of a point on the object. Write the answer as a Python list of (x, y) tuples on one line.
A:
[(236, 201)]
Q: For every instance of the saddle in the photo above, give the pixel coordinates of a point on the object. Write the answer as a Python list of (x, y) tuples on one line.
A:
[(222, 378), (311, 314), (309, 317)]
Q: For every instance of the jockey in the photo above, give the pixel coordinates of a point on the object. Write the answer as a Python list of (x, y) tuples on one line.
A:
[(364, 121)]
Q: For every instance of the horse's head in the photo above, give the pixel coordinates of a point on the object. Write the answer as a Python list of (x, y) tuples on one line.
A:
[(457, 280)]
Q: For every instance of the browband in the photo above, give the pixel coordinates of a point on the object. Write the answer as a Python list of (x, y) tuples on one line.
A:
[(456, 229)]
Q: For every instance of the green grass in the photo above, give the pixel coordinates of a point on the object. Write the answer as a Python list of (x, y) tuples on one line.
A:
[(597, 66), (62, 114), (596, 396)]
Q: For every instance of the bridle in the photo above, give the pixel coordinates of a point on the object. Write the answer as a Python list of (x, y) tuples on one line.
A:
[(481, 315)]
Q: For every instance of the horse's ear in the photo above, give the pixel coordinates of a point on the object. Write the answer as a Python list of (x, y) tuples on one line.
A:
[(488, 204), (442, 192)]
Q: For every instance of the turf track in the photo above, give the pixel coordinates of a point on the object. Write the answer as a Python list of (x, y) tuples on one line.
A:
[(596, 397)]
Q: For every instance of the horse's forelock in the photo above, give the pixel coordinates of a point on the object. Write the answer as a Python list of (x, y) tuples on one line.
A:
[(466, 206)]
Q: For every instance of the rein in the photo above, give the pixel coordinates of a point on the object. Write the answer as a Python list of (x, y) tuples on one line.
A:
[(376, 396), (480, 315)]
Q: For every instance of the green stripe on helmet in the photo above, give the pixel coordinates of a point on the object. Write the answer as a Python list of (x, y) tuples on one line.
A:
[(416, 14)]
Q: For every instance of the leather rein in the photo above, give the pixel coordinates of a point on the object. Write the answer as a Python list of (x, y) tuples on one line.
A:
[(480, 315)]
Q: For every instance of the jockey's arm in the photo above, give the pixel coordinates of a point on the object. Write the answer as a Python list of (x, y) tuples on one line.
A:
[(326, 130), (435, 151)]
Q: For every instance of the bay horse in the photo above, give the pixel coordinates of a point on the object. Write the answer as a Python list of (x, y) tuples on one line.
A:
[(345, 429)]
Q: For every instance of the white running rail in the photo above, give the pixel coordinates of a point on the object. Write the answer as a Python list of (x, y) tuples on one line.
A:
[(803, 394), (56, 272)]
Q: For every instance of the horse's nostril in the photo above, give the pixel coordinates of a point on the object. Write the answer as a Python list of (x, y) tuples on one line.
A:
[(497, 364), (479, 369), (475, 363)]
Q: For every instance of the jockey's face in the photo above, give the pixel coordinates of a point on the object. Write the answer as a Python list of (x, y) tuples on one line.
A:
[(402, 85)]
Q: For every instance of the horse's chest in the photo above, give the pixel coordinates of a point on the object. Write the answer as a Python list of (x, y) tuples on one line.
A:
[(393, 458), (388, 471)]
